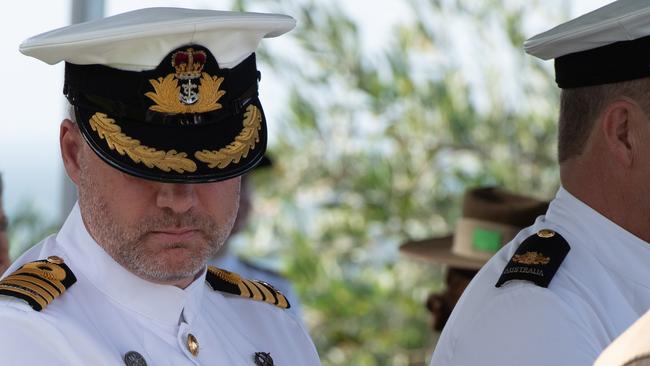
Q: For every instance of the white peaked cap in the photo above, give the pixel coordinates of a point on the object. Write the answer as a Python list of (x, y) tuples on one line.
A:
[(140, 39), (607, 45), (622, 20), (167, 94)]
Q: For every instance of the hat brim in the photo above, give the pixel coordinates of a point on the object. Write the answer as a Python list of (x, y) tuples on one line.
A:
[(178, 154), (438, 250)]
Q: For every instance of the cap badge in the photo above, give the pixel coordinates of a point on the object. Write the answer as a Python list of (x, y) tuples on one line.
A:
[(188, 64), (531, 258), (198, 92)]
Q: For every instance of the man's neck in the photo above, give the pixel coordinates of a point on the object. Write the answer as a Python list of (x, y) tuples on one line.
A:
[(606, 192)]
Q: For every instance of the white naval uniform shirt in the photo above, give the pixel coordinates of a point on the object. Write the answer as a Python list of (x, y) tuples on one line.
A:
[(602, 286), (233, 263), (109, 312)]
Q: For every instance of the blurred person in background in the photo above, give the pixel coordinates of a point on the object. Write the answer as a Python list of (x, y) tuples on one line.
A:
[(227, 259), (4, 235), (491, 217), (567, 286)]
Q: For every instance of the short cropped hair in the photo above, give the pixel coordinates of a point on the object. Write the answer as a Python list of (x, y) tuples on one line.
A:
[(72, 115), (581, 107)]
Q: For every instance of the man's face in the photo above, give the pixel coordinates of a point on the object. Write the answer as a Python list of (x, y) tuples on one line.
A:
[(161, 232)]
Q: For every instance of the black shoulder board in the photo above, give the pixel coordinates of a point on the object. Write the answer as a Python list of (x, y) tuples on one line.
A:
[(232, 283), (39, 282), (537, 259)]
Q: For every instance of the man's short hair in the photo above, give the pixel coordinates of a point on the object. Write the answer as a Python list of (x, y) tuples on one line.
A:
[(581, 107)]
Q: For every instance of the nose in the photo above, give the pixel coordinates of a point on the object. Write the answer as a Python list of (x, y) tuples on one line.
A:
[(180, 198)]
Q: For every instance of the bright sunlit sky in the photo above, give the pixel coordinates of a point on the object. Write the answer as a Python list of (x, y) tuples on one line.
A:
[(34, 105)]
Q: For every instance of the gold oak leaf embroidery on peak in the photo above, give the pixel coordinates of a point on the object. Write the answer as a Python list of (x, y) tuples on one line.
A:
[(244, 142), (108, 130), (167, 91)]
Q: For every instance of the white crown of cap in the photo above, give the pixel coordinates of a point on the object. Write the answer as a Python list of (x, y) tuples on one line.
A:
[(622, 20), (140, 39)]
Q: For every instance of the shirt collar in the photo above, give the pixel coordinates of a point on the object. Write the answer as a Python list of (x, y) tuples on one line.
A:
[(614, 247), (161, 303)]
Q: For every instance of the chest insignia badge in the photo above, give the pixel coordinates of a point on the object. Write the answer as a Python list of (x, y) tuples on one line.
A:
[(133, 358), (263, 359)]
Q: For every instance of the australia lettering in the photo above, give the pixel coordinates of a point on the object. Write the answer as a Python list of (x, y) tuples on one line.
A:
[(524, 270)]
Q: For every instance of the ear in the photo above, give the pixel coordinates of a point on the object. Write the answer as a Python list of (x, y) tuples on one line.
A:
[(617, 124), (71, 146)]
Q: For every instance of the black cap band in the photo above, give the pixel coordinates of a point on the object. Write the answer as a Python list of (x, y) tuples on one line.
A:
[(121, 94), (615, 62)]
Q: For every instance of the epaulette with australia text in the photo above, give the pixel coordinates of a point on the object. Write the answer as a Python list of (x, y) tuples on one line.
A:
[(537, 259), (232, 283), (39, 282)]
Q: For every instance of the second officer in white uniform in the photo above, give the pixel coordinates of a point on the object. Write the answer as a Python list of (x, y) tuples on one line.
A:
[(567, 286)]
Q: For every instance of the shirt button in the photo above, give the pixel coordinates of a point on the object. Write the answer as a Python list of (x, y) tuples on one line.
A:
[(546, 233), (54, 259), (192, 344)]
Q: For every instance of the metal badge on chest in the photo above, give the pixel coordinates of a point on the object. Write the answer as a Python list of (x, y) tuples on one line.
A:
[(133, 358), (263, 359)]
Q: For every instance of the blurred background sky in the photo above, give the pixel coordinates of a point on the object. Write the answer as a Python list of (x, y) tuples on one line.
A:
[(34, 105)]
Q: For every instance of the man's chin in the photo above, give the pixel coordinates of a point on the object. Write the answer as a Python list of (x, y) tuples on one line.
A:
[(170, 264), (169, 275), (180, 259)]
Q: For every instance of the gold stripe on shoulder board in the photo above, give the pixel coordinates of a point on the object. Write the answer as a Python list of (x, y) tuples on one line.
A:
[(39, 282), (229, 282)]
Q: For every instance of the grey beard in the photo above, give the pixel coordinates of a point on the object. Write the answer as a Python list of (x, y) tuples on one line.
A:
[(124, 243)]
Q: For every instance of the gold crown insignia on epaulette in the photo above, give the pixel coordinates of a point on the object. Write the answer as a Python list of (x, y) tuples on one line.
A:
[(232, 283), (39, 282)]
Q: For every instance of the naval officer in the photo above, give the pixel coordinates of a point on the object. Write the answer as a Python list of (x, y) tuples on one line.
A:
[(165, 118), (565, 287)]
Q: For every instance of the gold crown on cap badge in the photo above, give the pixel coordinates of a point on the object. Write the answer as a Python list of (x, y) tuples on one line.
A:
[(189, 63)]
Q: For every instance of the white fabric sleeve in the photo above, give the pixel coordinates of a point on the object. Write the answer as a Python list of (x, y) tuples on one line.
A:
[(528, 325), (27, 339)]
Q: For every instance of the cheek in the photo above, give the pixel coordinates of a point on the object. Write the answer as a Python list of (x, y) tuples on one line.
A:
[(219, 199), (125, 195)]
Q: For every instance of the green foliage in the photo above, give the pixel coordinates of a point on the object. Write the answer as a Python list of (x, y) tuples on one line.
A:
[(378, 146), (28, 227)]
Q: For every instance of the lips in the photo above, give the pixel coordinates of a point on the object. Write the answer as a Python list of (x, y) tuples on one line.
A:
[(175, 235)]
